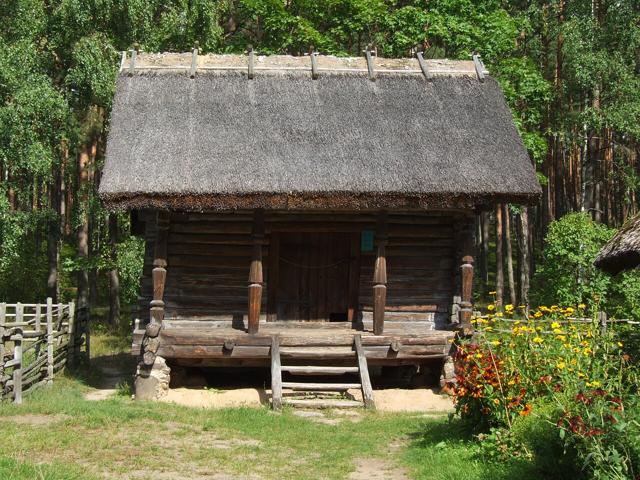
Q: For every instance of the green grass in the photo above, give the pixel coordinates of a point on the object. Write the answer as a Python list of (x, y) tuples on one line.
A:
[(121, 438)]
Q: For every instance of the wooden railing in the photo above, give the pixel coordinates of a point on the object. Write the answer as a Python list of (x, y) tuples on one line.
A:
[(36, 342)]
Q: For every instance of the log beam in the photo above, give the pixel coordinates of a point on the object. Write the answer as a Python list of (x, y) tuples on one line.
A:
[(255, 271), (380, 276)]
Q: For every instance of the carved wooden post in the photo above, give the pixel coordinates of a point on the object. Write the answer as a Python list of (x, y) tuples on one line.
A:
[(466, 283), (380, 276), (159, 274), (255, 271)]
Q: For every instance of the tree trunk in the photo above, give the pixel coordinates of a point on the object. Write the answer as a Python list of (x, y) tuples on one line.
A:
[(507, 239), (485, 219), (83, 229), (523, 247), (53, 234), (499, 258), (114, 279)]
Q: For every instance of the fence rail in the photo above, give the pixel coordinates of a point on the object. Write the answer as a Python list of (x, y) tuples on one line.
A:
[(601, 319), (37, 340)]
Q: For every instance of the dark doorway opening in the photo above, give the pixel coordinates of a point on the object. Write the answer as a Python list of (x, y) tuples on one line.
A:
[(313, 276)]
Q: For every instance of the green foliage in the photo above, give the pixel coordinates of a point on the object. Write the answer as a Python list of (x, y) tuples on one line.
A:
[(578, 381), (130, 260), (566, 275)]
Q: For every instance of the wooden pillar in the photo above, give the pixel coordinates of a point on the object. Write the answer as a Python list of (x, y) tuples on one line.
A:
[(255, 271), (466, 279), (159, 274), (380, 276)]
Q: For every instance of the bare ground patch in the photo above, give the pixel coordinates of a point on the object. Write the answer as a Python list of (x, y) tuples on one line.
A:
[(376, 469), (36, 420)]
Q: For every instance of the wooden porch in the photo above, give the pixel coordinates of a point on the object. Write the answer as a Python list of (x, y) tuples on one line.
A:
[(226, 343)]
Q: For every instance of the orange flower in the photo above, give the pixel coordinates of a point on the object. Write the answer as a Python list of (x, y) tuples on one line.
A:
[(526, 410)]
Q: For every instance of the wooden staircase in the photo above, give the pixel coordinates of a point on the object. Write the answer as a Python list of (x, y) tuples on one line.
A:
[(319, 394)]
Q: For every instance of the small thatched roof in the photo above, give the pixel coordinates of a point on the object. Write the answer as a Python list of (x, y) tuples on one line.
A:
[(622, 252), (284, 140)]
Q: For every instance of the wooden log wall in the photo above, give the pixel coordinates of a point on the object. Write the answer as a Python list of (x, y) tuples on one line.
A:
[(209, 255)]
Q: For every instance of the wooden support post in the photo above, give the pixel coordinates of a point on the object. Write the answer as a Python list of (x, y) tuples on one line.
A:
[(49, 341), (276, 374), (159, 273), (17, 367), (466, 280), (380, 276), (255, 272)]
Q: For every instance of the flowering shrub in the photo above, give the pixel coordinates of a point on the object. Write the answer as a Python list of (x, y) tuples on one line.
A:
[(511, 366)]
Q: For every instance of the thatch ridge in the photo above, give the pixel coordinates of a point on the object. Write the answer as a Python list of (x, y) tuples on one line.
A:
[(622, 252), (219, 139)]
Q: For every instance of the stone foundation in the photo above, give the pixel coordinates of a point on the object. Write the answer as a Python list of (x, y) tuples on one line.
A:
[(152, 383)]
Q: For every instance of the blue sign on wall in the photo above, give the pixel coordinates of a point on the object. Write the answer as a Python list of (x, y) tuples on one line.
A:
[(366, 241)]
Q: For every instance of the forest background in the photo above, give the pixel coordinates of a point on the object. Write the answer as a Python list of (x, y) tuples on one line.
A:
[(570, 70)]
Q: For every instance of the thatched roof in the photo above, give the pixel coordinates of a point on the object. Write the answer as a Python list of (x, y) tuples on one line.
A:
[(285, 140), (622, 252)]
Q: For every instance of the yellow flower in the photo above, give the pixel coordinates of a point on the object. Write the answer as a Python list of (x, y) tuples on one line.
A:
[(492, 293), (561, 365), (495, 343), (555, 325), (620, 344), (587, 351), (594, 384), (496, 401), (557, 330), (538, 340), (508, 307), (511, 382), (478, 355), (582, 306), (569, 310), (491, 308), (562, 338), (537, 314), (499, 314)]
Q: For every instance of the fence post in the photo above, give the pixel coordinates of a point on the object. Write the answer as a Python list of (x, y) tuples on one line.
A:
[(602, 318), (71, 345), (17, 368), (49, 341), (3, 309), (38, 317), (19, 318)]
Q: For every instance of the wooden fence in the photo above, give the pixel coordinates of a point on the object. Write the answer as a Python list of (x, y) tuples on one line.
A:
[(601, 319), (36, 342)]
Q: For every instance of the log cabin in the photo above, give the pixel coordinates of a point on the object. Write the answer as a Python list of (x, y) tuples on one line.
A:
[(622, 252), (313, 214)]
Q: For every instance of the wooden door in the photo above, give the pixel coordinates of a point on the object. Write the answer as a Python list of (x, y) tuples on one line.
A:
[(313, 276)]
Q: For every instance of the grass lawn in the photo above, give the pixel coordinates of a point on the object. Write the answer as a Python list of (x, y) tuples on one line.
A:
[(57, 434)]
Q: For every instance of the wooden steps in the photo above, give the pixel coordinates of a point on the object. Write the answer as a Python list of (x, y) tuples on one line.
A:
[(322, 403), (319, 370), (317, 394), (338, 387)]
